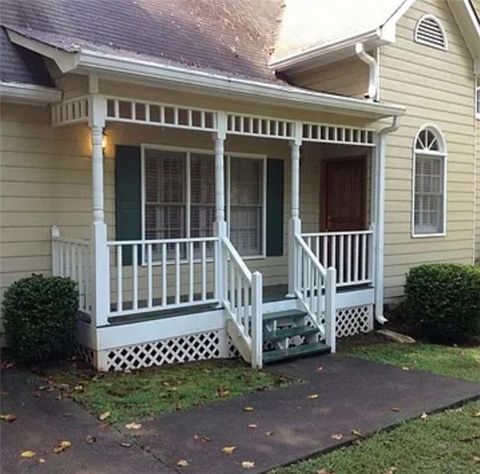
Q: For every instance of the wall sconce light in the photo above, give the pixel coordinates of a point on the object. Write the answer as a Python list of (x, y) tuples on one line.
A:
[(104, 140)]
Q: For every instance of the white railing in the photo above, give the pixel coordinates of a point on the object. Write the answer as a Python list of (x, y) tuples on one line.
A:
[(242, 300), (350, 252), (152, 275), (316, 290), (72, 258)]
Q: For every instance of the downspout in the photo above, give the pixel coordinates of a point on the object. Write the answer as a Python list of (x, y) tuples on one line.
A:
[(372, 63), (380, 160)]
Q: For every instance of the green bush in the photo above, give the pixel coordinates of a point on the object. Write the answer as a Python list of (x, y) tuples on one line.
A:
[(443, 301), (39, 315)]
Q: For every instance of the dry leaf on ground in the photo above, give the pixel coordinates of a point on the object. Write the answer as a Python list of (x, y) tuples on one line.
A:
[(124, 444), (312, 396), (395, 409), (248, 464), (357, 433), (27, 454), (424, 416), (89, 439), (103, 416), (247, 408), (41, 460), (337, 436), (202, 438), (182, 463), (405, 368), (8, 417), (133, 426), (223, 392), (253, 426), (476, 414), (269, 433), (229, 449), (62, 446)]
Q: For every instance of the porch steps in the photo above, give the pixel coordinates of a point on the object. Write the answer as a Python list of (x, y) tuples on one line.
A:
[(294, 324), (304, 350)]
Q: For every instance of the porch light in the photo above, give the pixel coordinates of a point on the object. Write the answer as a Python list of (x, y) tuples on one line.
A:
[(104, 140)]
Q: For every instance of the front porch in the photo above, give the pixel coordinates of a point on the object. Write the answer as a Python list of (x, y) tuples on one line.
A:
[(219, 262)]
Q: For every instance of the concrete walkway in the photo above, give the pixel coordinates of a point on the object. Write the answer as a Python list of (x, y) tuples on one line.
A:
[(340, 394), (42, 422), (352, 395)]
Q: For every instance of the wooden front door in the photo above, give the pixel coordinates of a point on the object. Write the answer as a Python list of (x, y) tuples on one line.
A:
[(344, 194)]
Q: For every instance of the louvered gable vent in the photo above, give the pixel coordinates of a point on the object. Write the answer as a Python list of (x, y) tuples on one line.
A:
[(430, 31)]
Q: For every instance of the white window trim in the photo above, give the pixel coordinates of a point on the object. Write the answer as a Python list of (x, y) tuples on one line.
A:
[(427, 43), (443, 155), (228, 155)]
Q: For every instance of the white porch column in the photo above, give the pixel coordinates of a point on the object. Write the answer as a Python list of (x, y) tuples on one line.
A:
[(294, 225), (100, 264), (220, 226)]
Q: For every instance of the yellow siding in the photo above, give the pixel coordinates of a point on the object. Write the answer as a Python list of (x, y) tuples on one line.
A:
[(437, 88), (346, 77)]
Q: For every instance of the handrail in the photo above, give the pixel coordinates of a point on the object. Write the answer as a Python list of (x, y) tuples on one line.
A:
[(242, 300), (346, 232), (161, 241), (309, 252)]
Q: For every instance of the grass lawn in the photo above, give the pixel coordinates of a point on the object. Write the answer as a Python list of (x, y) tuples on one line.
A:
[(145, 393), (446, 442)]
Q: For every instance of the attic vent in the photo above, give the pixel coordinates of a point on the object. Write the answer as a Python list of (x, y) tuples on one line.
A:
[(430, 31)]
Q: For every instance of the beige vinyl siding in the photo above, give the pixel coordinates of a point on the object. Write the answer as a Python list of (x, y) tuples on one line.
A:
[(477, 183), (345, 77), (436, 87)]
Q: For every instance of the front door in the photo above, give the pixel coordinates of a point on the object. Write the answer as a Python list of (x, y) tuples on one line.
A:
[(344, 194)]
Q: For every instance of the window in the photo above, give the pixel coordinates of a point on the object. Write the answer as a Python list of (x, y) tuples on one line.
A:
[(429, 183), (179, 197), (429, 31)]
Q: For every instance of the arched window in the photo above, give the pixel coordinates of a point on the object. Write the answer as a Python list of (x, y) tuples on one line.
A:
[(429, 196), (430, 31)]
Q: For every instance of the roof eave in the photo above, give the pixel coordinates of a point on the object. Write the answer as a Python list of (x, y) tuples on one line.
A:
[(28, 93), (231, 87)]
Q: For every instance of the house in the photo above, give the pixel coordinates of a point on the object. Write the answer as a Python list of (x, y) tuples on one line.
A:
[(236, 177)]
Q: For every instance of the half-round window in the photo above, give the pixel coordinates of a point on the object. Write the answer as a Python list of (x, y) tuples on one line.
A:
[(430, 31), (429, 182)]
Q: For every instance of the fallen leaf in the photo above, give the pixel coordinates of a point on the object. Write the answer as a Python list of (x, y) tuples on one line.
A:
[(182, 463), (313, 396), (202, 438), (270, 433), (253, 426), (133, 426), (476, 459), (424, 416), (248, 464), (391, 470), (8, 417), (319, 369), (248, 409), (223, 392), (337, 436), (124, 444), (476, 414), (395, 409), (63, 445), (324, 471), (41, 460), (357, 433), (405, 368), (103, 416), (228, 449), (27, 454), (78, 388), (89, 439)]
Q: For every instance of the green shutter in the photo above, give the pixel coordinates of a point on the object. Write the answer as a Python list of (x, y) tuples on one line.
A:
[(275, 179), (128, 192)]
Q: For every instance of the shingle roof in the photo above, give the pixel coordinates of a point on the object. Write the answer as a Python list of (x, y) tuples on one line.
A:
[(235, 37), (20, 65)]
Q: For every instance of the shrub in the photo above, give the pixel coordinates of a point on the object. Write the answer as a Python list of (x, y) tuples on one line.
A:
[(39, 315), (443, 301)]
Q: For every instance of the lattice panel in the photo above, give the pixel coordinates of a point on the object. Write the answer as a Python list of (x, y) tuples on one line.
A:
[(334, 134), (70, 111), (355, 320), (128, 110), (86, 354), (260, 127), (180, 349)]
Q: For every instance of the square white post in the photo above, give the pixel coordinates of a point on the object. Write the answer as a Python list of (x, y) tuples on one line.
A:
[(100, 261), (220, 226), (294, 225)]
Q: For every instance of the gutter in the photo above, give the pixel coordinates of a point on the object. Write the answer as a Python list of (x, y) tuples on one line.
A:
[(28, 93), (372, 92)]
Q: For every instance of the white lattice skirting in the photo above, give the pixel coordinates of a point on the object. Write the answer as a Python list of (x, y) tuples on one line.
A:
[(354, 320), (190, 348)]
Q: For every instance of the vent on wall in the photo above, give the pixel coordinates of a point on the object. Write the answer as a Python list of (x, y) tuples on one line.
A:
[(430, 31)]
